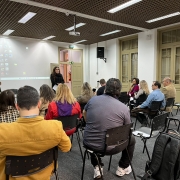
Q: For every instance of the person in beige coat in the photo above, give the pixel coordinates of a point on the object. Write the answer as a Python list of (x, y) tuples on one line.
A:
[(168, 90)]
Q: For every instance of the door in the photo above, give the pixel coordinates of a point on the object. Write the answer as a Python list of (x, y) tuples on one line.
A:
[(71, 64), (129, 69)]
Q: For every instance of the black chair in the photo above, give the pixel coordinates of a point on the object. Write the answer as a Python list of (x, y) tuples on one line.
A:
[(169, 104), (177, 104), (70, 126), (149, 113), (124, 98), (19, 166), (141, 99), (158, 125), (119, 138), (174, 118)]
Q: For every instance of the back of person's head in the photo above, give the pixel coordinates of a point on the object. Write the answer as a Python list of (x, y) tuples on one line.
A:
[(144, 86), (64, 94), (46, 93), (157, 83), (137, 80), (113, 87), (102, 81), (7, 98), (168, 79), (86, 89), (27, 97)]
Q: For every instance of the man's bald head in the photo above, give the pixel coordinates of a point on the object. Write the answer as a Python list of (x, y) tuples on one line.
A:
[(167, 81)]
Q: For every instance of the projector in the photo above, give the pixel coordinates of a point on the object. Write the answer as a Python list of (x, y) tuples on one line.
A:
[(72, 33)]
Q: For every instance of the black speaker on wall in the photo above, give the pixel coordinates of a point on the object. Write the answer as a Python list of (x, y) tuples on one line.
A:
[(100, 52)]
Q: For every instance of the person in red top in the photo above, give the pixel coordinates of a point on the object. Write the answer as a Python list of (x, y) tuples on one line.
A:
[(64, 104), (134, 88)]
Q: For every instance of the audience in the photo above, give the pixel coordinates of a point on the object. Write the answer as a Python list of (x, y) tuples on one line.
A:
[(168, 90), (64, 104), (102, 113), (86, 93), (155, 95), (46, 96), (100, 91), (8, 111), (30, 134)]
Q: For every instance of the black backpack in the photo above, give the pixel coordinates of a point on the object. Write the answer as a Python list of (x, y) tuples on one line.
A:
[(165, 162)]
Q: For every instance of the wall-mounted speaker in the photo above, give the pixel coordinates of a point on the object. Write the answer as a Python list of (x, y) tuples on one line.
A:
[(100, 52)]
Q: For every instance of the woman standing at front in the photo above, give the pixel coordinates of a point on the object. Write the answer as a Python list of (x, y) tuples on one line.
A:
[(56, 77)]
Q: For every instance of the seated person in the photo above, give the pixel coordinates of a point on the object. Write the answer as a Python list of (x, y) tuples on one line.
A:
[(30, 134), (8, 111), (86, 93), (134, 88), (102, 113), (46, 96), (64, 104), (142, 94), (155, 95), (100, 91)]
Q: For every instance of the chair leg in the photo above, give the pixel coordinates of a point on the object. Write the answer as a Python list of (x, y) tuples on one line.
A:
[(135, 122), (109, 162), (145, 147), (131, 164), (175, 122), (78, 139), (178, 126), (177, 110), (84, 160), (99, 166), (144, 140)]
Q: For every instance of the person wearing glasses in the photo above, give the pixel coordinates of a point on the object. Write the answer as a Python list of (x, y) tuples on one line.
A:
[(56, 77), (155, 95)]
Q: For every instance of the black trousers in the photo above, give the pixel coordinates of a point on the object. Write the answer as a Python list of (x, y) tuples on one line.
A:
[(124, 161)]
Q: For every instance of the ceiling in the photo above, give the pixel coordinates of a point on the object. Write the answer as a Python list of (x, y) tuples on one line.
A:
[(51, 18)]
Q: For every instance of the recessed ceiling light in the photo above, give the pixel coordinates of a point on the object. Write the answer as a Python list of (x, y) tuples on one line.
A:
[(163, 17), (49, 37), (112, 32), (8, 32), (122, 6), (77, 25), (79, 41), (27, 17)]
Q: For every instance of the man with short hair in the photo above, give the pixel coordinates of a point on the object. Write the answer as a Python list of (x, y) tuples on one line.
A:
[(100, 91), (102, 113), (30, 134), (155, 95), (168, 90)]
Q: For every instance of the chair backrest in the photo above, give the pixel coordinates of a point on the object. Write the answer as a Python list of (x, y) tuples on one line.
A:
[(124, 97), (159, 122), (169, 102), (69, 122), (17, 166), (118, 138), (155, 105)]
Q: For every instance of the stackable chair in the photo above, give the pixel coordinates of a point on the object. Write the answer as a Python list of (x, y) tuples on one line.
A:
[(119, 138), (19, 166), (159, 124), (70, 126), (169, 104), (153, 111)]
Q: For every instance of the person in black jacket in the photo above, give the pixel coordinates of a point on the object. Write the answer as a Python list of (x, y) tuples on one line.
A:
[(56, 77)]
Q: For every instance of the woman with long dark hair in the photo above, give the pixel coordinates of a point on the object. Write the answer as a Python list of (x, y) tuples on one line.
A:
[(56, 77), (8, 111)]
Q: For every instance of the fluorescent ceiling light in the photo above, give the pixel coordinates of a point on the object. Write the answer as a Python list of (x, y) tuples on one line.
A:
[(77, 25), (49, 37), (8, 32), (163, 17), (27, 17), (112, 32), (123, 6), (79, 41)]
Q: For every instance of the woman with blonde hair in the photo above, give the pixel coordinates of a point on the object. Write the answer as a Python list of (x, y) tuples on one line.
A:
[(46, 96), (143, 92), (86, 93), (64, 104)]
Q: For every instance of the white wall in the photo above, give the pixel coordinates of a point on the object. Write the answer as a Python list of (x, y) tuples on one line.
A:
[(98, 68), (147, 56), (30, 66)]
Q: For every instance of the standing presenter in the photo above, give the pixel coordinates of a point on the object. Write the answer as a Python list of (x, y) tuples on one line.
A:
[(56, 78)]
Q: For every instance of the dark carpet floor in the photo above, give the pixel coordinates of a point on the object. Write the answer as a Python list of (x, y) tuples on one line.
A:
[(70, 164)]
